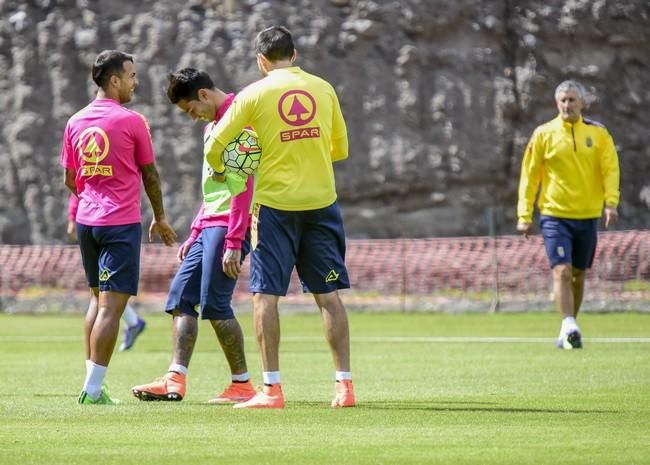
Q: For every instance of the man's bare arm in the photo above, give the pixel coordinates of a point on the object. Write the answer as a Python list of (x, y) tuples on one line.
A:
[(159, 225), (69, 180), (151, 181)]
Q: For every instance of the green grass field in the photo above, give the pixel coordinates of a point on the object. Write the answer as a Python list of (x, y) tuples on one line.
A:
[(427, 395)]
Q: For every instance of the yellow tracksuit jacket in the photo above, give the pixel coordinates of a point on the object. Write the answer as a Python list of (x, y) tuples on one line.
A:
[(577, 166)]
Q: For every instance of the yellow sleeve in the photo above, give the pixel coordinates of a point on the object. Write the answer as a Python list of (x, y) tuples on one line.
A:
[(610, 172), (531, 174), (229, 126), (339, 149)]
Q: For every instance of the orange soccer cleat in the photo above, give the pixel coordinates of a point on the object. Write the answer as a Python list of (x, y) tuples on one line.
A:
[(269, 397), (235, 392), (344, 394), (169, 387)]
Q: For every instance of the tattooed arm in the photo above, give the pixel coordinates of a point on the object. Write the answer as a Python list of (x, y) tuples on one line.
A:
[(159, 224)]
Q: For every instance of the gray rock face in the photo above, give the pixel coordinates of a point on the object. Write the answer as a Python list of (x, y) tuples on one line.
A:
[(440, 97)]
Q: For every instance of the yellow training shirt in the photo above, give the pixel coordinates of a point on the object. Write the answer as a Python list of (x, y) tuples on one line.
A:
[(301, 131), (577, 166)]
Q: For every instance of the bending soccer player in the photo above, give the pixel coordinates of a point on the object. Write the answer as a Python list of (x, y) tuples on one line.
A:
[(575, 162), (210, 260), (297, 221), (106, 151), (133, 323)]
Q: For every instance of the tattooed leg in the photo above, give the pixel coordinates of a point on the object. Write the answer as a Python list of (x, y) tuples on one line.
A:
[(186, 329), (231, 339)]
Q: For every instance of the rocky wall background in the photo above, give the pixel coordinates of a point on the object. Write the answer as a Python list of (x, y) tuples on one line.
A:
[(440, 97)]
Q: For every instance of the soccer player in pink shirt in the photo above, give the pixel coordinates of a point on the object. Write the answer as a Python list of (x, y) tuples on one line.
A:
[(210, 260), (134, 325), (107, 150)]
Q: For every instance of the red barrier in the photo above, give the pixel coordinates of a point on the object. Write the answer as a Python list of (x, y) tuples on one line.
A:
[(501, 268)]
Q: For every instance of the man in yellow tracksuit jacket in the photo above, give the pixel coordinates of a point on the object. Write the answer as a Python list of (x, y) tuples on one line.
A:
[(575, 161)]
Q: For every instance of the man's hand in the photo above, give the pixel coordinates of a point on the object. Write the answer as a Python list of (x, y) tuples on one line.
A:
[(611, 216), (219, 177), (524, 228), (213, 153), (72, 231), (232, 263), (163, 230), (183, 250)]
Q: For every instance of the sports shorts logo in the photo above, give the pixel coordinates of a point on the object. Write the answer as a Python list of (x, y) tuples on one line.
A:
[(255, 221), (331, 276), (560, 251), (104, 275)]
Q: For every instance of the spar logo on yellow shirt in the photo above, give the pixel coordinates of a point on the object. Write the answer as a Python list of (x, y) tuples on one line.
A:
[(93, 146), (297, 108)]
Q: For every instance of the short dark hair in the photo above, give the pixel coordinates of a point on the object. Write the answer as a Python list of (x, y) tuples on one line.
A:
[(275, 43), (107, 64), (185, 84)]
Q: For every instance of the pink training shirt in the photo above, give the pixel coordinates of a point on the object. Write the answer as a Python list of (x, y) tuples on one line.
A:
[(106, 144)]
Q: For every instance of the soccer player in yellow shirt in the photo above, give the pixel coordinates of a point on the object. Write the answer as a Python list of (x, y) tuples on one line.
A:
[(575, 162), (296, 217)]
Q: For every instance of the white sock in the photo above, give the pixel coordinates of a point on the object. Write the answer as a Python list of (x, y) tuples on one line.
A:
[(94, 378), (178, 368), (271, 377), (241, 378), (341, 375), (130, 316), (569, 324)]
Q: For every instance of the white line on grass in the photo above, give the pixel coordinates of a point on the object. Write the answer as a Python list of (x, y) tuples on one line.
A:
[(393, 339), (40, 338), (500, 339), (477, 339)]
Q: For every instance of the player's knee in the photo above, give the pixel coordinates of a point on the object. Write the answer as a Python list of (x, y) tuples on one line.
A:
[(563, 272), (578, 275), (330, 301), (265, 303)]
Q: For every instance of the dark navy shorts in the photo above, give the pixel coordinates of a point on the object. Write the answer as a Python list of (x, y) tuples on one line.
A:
[(312, 240), (200, 280), (111, 256), (569, 241)]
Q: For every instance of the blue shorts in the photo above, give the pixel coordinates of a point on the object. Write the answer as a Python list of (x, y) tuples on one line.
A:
[(313, 241), (569, 241), (200, 280), (111, 256)]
